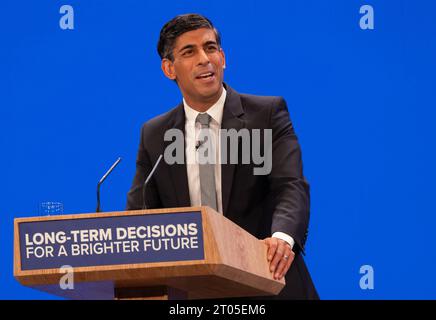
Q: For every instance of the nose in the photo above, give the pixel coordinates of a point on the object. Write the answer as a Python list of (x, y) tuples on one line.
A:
[(203, 58)]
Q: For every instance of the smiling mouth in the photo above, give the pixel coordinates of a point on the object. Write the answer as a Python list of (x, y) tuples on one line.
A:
[(206, 75)]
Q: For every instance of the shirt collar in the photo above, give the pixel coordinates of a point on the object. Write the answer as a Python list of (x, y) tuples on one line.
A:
[(215, 111)]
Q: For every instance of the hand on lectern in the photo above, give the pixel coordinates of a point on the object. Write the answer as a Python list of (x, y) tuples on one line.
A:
[(280, 256)]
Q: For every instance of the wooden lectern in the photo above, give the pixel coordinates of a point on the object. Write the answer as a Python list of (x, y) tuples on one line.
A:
[(227, 261)]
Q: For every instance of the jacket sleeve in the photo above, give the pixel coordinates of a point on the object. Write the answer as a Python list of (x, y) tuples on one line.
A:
[(287, 183)]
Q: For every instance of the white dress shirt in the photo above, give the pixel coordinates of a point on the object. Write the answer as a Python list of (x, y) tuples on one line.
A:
[(192, 131)]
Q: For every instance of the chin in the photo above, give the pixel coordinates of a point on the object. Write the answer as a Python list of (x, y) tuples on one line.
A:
[(210, 91)]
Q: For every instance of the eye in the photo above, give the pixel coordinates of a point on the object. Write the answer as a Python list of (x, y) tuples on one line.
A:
[(211, 48), (187, 52)]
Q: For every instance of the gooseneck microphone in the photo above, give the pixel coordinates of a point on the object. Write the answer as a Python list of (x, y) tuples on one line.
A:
[(144, 186), (101, 181)]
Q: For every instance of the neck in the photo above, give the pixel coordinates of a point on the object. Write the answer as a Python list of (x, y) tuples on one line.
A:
[(204, 104)]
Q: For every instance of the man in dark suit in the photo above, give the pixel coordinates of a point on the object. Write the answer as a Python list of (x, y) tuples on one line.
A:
[(272, 206)]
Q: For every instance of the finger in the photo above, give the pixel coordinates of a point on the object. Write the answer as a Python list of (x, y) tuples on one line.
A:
[(272, 248), (276, 259), (289, 261), (267, 243), (282, 251), (281, 268)]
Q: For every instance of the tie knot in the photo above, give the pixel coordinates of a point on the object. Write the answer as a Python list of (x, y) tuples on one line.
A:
[(203, 119)]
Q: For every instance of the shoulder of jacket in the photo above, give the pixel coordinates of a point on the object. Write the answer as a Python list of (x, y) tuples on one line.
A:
[(260, 102), (159, 122)]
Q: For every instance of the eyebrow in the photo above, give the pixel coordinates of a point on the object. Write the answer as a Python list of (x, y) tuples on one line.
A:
[(210, 42), (191, 46)]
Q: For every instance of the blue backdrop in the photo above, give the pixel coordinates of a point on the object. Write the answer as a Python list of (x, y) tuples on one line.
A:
[(362, 102)]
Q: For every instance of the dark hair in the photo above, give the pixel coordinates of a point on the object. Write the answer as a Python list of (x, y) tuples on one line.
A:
[(178, 26)]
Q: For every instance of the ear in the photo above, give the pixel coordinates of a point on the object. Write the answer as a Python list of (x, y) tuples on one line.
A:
[(168, 69), (223, 57)]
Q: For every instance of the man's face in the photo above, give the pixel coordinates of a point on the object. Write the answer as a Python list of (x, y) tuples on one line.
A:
[(198, 66)]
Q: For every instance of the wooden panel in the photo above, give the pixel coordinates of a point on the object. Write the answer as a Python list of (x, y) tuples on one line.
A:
[(243, 257)]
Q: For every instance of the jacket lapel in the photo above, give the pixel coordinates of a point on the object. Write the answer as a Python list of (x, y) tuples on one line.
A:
[(178, 171), (231, 120)]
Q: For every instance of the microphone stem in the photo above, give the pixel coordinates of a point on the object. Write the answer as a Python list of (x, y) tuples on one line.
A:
[(101, 181), (144, 187)]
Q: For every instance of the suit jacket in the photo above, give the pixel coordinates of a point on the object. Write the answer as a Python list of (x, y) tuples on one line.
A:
[(261, 204)]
